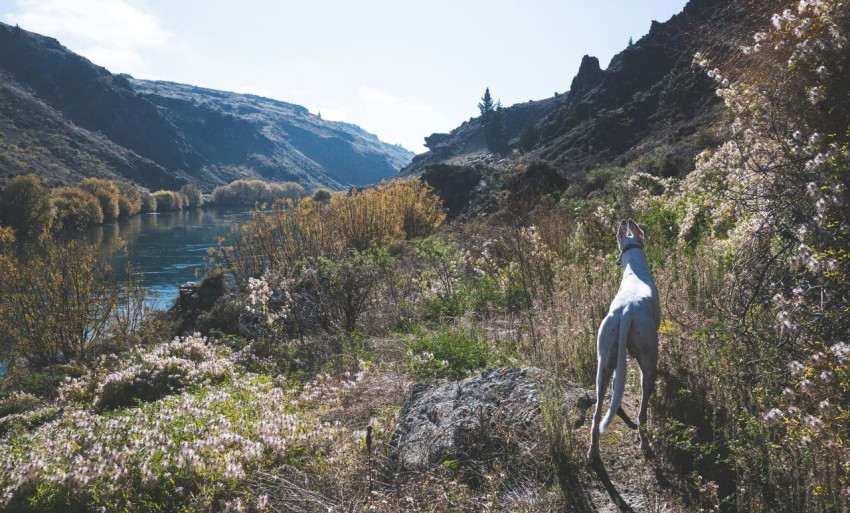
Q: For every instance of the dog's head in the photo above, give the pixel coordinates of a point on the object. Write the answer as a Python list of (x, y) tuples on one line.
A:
[(628, 234)]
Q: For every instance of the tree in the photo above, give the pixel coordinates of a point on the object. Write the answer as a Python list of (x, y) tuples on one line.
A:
[(487, 106), (130, 200), (25, 205), (492, 119)]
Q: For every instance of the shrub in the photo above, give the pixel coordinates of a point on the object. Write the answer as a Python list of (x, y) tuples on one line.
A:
[(289, 234), (321, 195), (447, 354), (255, 192), (107, 193), (76, 209), (25, 205), (167, 201), (55, 302), (194, 197), (130, 199), (339, 290), (184, 362), (148, 203)]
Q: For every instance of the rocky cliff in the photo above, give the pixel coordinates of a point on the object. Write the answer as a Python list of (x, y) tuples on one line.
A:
[(64, 118), (650, 96)]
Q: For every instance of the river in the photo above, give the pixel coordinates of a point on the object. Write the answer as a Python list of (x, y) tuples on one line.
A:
[(169, 248)]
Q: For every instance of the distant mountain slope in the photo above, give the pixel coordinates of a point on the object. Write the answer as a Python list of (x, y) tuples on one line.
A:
[(273, 137), (63, 118), (650, 96)]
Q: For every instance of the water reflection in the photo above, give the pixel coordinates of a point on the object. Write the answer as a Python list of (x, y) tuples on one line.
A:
[(169, 247)]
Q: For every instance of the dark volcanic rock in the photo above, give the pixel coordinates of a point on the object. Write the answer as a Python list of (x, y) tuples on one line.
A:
[(468, 139), (448, 422), (649, 97), (454, 185)]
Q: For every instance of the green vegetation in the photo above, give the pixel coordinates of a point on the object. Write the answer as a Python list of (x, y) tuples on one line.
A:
[(447, 354), (321, 195), (492, 119)]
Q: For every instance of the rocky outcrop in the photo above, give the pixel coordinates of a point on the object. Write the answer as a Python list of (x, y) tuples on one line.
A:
[(468, 140), (461, 420), (649, 97), (454, 184)]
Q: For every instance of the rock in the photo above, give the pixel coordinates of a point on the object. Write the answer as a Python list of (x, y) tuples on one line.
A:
[(454, 185), (589, 76), (485, 413)]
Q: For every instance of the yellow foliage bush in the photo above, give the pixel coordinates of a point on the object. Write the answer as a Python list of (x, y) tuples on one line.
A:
[(107, 192), (390, 212), (56, 300), (130, 200), (25, 205), (76, 209), (168, 200)]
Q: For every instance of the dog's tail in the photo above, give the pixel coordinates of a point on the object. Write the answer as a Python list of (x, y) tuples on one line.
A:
[(620, 374)]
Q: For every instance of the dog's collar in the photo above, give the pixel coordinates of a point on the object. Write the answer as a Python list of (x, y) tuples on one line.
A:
[(629, 247)]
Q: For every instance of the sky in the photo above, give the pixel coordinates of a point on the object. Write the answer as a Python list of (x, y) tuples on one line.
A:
[(401, 69)]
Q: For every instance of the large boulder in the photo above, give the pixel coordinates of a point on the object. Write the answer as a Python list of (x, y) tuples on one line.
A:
[(495, 411), (454, 184)]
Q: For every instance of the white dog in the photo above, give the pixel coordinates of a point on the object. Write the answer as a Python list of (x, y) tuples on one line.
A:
[(631, 324)]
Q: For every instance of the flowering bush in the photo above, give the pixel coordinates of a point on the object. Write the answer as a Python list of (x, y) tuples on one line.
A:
[(171, 367), (814, 418), (776, 191), (196, 450)]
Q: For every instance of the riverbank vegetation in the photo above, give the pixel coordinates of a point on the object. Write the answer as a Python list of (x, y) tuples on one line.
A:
[(31, 209), (288, 395)]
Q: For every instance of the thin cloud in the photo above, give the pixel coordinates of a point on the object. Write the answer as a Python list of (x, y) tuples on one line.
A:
[(384, 100), (111, 33)]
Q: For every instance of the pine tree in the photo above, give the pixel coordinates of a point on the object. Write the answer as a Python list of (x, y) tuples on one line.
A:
[(487, 106)]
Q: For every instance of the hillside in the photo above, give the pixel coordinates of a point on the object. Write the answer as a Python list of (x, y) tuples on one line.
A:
[(650, 97), (64, 117), (274, 138)]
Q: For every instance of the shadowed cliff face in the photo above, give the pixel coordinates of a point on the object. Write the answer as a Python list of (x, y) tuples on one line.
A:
[(92, 98), (65, 118), (649, 96)]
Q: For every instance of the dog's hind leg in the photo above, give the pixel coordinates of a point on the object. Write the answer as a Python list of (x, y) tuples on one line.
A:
[(603, 377), (647, 361), (606, 351)]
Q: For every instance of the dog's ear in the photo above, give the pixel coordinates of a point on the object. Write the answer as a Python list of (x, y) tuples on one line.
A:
[(635, 229), (623, 230)]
